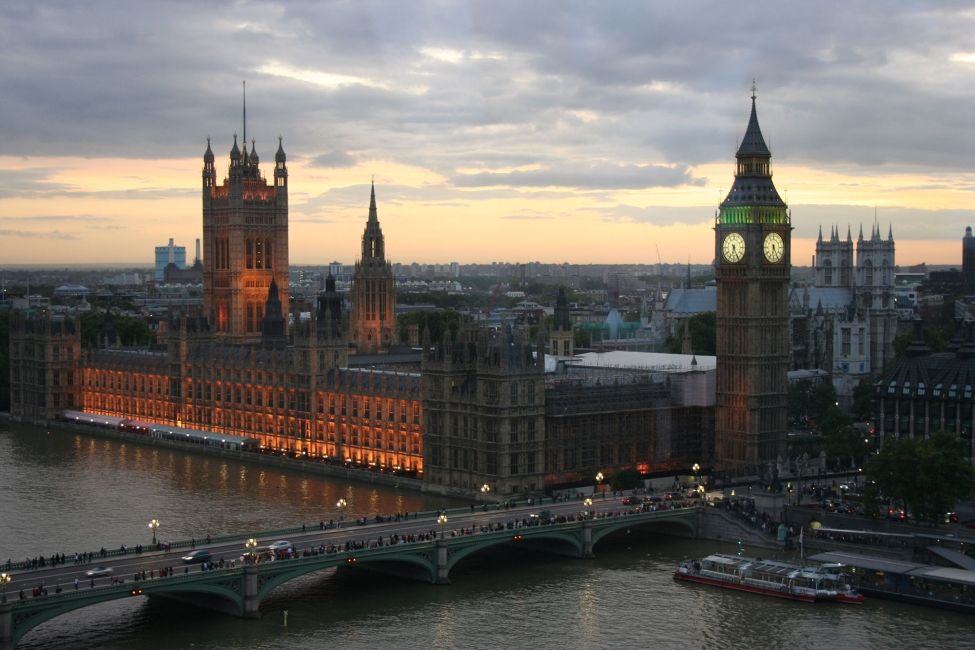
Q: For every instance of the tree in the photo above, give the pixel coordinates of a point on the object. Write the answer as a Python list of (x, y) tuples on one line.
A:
[(131, 331), (944, 475), (626, 479), (702, 328), (928, 476), (863, 400), (437, 321)]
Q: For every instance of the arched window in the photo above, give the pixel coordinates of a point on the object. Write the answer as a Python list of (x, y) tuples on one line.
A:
[(267, 253), (250, 253), (828, 272), (868, 273)]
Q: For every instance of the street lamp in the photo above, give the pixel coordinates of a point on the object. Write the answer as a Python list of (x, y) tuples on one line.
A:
[(251, 544), (340, 504), (153, 525), (588, 504), (599, 479), (442, 520), (485, 488), (4, 579)]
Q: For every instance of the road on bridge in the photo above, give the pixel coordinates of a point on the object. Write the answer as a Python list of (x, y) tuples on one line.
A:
[(127, 566)]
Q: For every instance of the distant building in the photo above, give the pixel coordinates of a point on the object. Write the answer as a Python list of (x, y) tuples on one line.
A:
[(968, 261), (169, 254), (846, 322), (924, 392)]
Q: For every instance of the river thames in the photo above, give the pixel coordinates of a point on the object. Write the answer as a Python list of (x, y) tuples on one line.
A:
[(64, 493)]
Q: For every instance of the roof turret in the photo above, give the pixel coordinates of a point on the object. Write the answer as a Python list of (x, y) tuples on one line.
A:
[(279, 156)]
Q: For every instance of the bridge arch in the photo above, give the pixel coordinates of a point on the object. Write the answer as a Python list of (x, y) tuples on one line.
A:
[(408, 554), (541, 534), (35, 611), (607, 527)]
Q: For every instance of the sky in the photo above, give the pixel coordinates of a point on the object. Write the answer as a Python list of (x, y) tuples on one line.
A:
[(580, 132)]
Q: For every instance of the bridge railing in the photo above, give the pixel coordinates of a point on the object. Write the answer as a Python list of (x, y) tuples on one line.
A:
[(93, 557), (368, 547)]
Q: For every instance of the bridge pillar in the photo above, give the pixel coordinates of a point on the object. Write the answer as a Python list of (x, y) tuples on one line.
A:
[(442, 578), (252, 604), (587, 539), (6, 626)]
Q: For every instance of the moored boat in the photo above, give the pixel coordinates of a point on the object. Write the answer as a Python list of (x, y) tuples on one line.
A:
[(825, 583)]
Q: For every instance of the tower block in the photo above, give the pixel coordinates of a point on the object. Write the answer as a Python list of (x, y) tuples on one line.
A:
[(752, 266), (245, 242)]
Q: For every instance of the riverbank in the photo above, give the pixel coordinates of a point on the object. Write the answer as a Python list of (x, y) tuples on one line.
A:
[(265, 460)]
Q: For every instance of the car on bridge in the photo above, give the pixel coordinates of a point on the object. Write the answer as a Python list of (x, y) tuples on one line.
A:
[(196, 557), (279, 546), (99, 571)]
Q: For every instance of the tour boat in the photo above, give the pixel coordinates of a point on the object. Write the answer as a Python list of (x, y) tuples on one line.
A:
[(771, 578)]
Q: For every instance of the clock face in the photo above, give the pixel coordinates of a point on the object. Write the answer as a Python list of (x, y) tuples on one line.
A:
[(733, 247), (774, 247)]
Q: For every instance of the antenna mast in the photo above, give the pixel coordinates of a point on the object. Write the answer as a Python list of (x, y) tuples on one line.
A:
[(244, 87)]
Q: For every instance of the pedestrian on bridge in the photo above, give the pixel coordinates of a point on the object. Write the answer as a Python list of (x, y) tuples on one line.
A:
[(76, 584)]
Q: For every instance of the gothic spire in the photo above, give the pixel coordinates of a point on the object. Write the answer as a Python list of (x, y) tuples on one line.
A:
[(373, 215), (753, 144)]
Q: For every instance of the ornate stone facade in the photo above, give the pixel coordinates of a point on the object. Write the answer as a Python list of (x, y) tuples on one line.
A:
[(752, 266), (245, 242), (373, 290)]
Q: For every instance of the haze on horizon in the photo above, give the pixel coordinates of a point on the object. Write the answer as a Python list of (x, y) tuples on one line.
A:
[(496, 131)]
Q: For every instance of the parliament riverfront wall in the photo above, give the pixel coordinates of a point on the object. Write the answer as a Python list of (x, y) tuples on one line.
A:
[(280, 462)]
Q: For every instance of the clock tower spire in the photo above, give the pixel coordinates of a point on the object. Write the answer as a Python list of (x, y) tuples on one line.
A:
[(752, 265)]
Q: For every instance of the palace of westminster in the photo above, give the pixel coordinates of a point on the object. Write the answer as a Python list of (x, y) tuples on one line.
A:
[(479, 407)]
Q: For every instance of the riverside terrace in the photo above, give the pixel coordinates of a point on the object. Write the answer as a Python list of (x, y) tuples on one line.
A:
[(426, 547)]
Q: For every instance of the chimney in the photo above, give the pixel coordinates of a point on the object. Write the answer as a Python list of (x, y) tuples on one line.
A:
[(172, 251), (197, 250)]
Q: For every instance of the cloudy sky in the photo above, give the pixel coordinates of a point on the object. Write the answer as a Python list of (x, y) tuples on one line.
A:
[(514, 131)]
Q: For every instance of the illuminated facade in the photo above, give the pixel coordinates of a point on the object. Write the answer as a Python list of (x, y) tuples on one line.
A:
[(477, 411), (245, 242), (752, 267)]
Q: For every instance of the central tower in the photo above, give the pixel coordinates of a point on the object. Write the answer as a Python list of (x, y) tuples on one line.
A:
[(245, 242), (752, 263), (373, 293)]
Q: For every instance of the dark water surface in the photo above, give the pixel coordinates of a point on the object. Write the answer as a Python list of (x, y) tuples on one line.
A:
[(62, 492)]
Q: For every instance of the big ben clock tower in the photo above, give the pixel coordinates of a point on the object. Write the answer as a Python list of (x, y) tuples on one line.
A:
[(752, 261)]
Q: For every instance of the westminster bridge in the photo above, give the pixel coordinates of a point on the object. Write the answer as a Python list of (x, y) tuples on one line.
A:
[(423, 546)]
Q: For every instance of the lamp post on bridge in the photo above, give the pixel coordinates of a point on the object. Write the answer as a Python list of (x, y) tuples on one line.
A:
[(442, 520), (588, 504), (250, 544), (4, 579), (153, 525), (341, 504), (485, 490), (599, 479)]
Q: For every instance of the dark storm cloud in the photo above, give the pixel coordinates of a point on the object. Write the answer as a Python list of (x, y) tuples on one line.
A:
[(491, 84)]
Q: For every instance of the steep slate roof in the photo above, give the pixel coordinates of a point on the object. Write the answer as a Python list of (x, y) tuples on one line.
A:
[(753, 144), (692, 301)]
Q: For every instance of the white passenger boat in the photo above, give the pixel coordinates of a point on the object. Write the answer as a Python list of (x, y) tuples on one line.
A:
[(771, 578)]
